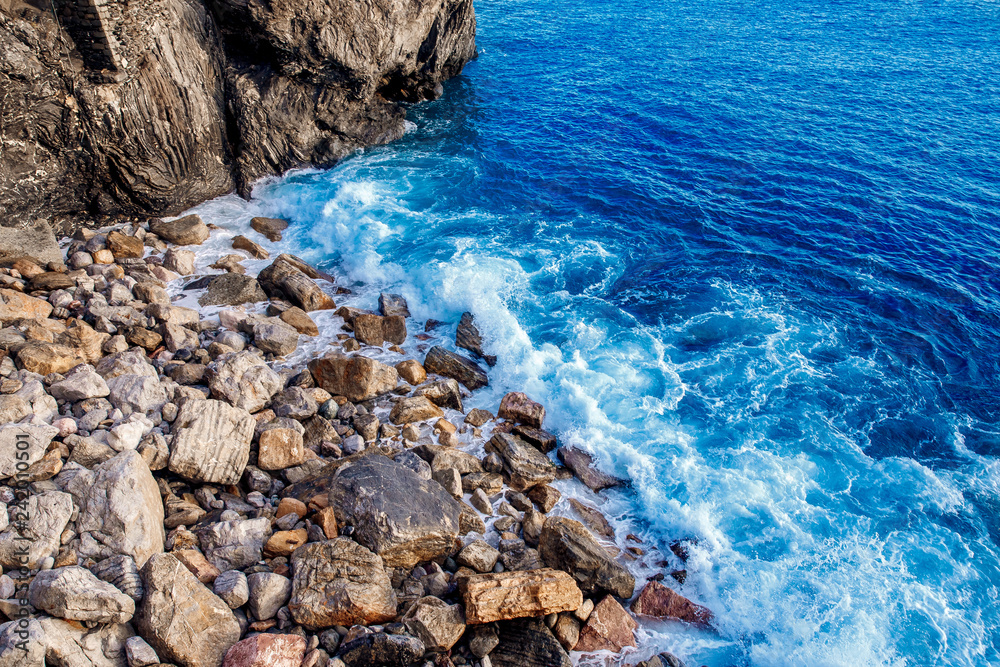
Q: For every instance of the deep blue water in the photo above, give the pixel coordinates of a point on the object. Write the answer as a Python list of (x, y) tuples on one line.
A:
[(746, 253)]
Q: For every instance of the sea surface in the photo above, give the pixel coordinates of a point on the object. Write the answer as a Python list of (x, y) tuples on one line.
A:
[(747, 254)]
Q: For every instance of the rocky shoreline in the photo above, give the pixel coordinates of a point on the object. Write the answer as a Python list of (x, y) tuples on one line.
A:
[(176, 492)]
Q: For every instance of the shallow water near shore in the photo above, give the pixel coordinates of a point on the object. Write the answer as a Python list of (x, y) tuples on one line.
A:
[(746, 254)]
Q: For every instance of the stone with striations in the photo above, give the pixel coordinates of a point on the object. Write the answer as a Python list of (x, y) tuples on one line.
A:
[(243, 380), (498, 597), (478, 555), (189, 230), (286, 279), (414, 409), (339, 582), (182, 619), (523, 465), (300, 320), (436, 623), (269, 227), (18, 306), (582, 465), (451, 365), (256, 251), (528, 643), (211, 442), (43, 358), (659, 601), (517, 407), (565, 544)]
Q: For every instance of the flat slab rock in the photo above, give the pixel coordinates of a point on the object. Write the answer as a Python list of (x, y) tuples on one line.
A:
[(339, 582), (400, 516), (582, 465), (509, 595), (609, 628), (267, 650)]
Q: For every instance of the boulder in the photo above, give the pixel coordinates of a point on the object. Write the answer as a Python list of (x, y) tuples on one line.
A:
[(184, 621), (518, 408), (124, 247), (567, 630), (478, 555), (566, 545), (393, 304), (285, 279), (267, 651), (411, 371), (269, 227), (357, 378), (189, 230), (232, 289), (582, 465), (376, 329), (541, 440), (280, 448), (593, 519), (443, 393), (451, 365), (300, 321), (177, 337), (414, 409), (256, 251), (211, 442), (179, 260), (44, 358), (233, 545), (69, 643), (18, 306), (436, 623), (339, 582), (609, 628), (81, 383), (75, 594), (243, 380), (523, 465), (13, 409), (659, 601), (233, 588), (399, 516), (544, 496), (381, 649), (467, 336), (528, 643), (138, 653), (277, 338), (120, 506), (35, 242), (128, 362), (268, 593), (498, 597), (24, 444), (46, 516), (141, 394), (477, 417)]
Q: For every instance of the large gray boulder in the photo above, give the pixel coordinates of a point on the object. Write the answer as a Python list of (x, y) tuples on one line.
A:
[(402, 517), (211, 442), (233, 545), (120, 507), (182, 619)]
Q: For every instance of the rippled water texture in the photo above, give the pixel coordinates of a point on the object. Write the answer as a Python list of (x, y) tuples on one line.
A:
[(747, 253)]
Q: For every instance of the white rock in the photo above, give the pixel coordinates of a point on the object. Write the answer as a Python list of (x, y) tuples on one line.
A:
[(243, 380), (211, 442), (45, 518), (23, 444), (136, 393), (82, 383), (75, 594)]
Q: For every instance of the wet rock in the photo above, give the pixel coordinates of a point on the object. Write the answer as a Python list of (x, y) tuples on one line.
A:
[(496, 597), (379, 649), (582, 465), (481, 502), (75, 594), (271, 228), (451, 365), (267, 650), (609, 628), (593, 519), (189, 230), (339, 582), (393, 304), (28, 441), (277, 338), (233, 545), (286, 279), (659, 601), (528, 643), (436, 623), (280, 448), (367, 426), (232, 289), (268, 593), (478, 555), (300, 321), (415, 463), (536, 437), (477, 417), (544, 496), (469, 521), (179, 260), (376, 330), (517, 407), (233, 588), (81, 383), (180, 618), (243, 380), (414, 409), (469, 338), (256, 251), (357, 378), (489, 483), (211, 442), (47, 515), (120, 506), (567, 631), (523, 465), (443, 393), (566, 545), (399, 516)]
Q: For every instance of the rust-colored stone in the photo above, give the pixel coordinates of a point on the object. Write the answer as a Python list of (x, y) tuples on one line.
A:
[(508, 595)]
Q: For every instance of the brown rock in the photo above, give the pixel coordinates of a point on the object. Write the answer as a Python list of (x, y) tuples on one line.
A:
[(103, 256), (18, 306), (518, 408), (199, 566), (467, 336), (267, 650), (45, 358), (376, 329), (567, 631), (144, 338), (544, 496), (300, 319), (269, 227), (659, 601), (565, 544), (27, 268), (357, 378), (609, 628), (280, 448), (593, 519), (451, 365), (291, 506), (286, 279), (478, 417), (411, 371), (536, 437), (498, 597), (189, 230), (122, 246), (326, 519), (437, 624), (523, 465), (582, 465), (52, 280), (414, 409), (285, 542), (256, 251), (339, 582)]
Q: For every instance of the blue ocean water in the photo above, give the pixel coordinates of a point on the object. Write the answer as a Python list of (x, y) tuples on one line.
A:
[(747, 254)]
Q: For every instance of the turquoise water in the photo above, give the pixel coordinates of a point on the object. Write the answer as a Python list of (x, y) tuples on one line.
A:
[(746, 253)]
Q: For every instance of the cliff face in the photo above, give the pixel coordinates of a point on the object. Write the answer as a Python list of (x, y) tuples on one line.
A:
[(132, 107)]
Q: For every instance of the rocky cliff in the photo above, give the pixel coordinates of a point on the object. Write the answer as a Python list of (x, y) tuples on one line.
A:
[(122, 107)]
